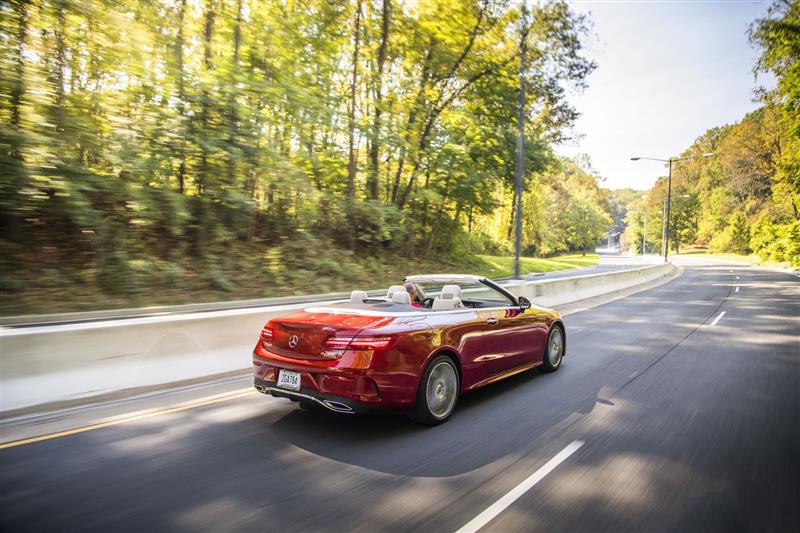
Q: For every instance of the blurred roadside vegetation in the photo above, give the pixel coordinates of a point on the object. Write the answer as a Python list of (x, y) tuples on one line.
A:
[(751, 259), (503, 266), (158, 285), (746, 200), (173, 151)]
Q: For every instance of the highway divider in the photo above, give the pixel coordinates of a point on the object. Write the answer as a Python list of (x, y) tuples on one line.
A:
[(561, 291), (51, 366)]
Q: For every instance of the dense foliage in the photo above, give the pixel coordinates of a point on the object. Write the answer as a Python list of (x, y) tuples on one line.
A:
[(188, 144), (746, 199)]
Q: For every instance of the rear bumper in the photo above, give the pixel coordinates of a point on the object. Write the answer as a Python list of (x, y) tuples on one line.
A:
[(331, 402), (359, 388)]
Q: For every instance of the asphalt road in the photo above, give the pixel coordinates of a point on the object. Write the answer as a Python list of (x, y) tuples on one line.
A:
[(689, 422)]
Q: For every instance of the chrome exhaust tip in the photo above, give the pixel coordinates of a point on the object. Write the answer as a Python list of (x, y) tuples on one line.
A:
[(337, 406), (333, 405)]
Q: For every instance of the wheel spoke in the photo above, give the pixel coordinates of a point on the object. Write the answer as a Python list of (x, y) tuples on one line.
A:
[(441, 389), (556, 344)]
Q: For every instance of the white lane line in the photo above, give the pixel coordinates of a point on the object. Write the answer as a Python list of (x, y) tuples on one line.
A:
[(719, 317), (737, 289), (737, 277), (500, 505)]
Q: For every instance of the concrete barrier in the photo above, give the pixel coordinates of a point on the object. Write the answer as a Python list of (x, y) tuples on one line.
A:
[(552, 293), (58, 365)]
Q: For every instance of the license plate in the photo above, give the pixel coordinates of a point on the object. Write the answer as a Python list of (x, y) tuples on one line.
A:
[(288, 379)]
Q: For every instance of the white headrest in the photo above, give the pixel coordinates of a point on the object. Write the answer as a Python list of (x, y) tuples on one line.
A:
[(393, 289), (446, 301), (358, 296), (401, 297), (452, 290)]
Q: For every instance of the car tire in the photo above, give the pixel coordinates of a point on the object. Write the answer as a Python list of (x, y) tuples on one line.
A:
[(437, 393), (554, 351)]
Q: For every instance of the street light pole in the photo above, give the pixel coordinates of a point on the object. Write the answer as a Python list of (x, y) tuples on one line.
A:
[(520, 143), (669, 204), (668, 199), (663, 223)]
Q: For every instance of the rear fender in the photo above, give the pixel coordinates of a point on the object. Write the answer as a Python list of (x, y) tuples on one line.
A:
[(446, 350)]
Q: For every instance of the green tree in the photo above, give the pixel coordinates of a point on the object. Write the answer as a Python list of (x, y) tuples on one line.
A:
[(778, 37), (739, 233), (152, 145), (585, 223), (683, 219)]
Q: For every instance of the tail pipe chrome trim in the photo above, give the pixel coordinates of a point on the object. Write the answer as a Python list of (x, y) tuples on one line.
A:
[(337, 406), (328, 404)]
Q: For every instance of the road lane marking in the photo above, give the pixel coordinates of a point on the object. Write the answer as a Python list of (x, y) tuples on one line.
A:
[(502, 504), (131, 418), (719, 317), (737, 289), (737, 277)]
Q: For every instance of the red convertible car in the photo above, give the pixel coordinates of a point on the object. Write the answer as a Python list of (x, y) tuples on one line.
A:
[(416, 350)]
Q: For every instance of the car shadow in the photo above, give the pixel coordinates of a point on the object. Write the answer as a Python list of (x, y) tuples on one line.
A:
[(483, 429)]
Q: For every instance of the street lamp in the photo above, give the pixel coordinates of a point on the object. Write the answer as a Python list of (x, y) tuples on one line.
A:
[(669, 191)]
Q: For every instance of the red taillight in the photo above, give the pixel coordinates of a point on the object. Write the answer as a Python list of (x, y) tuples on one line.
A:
[(360, 342), (378, 342), (266, 336), (337, 343)]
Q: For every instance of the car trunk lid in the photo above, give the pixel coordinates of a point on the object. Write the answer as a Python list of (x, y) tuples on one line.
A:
[(315, 336)]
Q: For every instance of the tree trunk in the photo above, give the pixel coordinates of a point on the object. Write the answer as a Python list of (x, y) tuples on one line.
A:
[(412, 119), (202, 215), (351, 115), (233, 112), (61, 66), (442, 101), (181, 101), (374, 149), (12, 170), (432, 235), (18, 86), (205, 111)]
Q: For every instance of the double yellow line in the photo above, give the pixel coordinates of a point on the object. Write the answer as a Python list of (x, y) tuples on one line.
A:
[(124, 419)]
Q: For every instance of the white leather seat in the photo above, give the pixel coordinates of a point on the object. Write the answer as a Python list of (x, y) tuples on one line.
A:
[(401, 297), (455, 290), (358, 297), (450, 298), (393, 289)]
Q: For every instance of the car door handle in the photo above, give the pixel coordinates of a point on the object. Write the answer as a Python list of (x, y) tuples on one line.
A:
[(492, 321)]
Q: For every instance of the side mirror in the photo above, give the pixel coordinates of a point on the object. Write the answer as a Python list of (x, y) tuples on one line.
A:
[(524, 303)]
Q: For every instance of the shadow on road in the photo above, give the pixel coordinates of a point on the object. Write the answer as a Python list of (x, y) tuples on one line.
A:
[(392, 443)]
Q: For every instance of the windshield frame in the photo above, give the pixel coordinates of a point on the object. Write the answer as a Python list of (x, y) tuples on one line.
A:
[(512, 300)]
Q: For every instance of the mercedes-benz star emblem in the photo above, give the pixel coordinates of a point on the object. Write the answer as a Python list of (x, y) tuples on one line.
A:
[(293, 341)]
